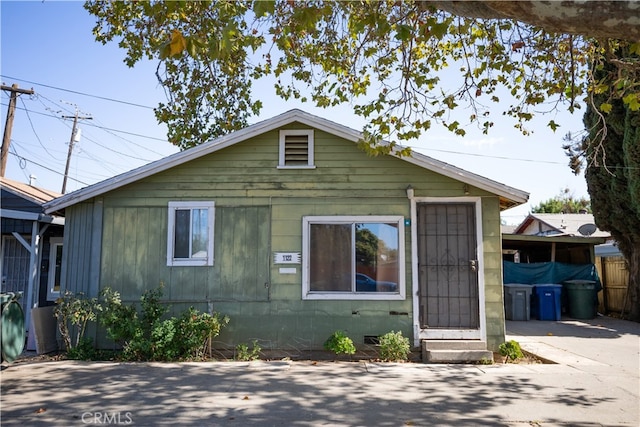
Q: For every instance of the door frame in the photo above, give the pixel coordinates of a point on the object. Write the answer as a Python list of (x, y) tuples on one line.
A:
[(470, 334)]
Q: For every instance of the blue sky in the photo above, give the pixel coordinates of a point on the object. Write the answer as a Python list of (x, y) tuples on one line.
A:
[(48, 46)]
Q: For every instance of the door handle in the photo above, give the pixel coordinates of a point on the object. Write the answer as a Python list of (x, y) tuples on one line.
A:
[(473, 264)]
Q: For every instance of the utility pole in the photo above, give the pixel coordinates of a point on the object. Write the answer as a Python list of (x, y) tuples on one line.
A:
[(6, 140), (71, 141)]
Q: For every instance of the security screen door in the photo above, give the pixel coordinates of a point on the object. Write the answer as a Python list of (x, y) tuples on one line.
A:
[(447, 261)]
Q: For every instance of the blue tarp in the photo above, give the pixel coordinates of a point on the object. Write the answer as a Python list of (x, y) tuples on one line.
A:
[(549, 273)]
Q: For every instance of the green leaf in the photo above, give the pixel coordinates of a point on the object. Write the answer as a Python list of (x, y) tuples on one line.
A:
[(440, 29), (605, 107), (553, 125), (263, 7), (632, 101), (403, 32)]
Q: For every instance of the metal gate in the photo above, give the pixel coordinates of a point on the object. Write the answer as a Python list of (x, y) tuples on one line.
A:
[(448, 268), (15, 266)]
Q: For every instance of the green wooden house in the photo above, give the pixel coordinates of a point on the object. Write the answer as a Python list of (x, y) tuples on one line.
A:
[(293, 232)]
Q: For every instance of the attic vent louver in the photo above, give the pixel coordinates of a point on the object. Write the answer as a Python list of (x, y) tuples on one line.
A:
[(296, 149)]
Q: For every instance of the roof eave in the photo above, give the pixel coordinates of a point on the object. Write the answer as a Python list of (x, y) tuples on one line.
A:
[(510, 197)]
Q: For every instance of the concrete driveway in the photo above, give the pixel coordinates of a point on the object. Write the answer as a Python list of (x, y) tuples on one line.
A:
[(594, 382)]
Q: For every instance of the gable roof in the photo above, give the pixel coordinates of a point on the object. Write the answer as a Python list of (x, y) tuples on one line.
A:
[(28, 192), (561, 224), (32, 208), (509, 196)]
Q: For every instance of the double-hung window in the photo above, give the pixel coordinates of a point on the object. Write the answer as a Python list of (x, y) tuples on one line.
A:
[(353, 257), (190, 233)]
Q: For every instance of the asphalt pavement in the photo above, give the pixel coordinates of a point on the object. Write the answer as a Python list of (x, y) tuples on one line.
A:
[(595, 381)]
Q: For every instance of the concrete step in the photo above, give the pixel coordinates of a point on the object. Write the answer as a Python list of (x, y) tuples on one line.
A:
[(456, 356), (453, 345)]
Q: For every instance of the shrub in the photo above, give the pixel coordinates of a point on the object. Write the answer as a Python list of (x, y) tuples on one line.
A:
[(146, 336), (511, 350), (339, 343), (394, 347), (74, 312), (244, 353), (119, 320), (83, 351), (194, 330)]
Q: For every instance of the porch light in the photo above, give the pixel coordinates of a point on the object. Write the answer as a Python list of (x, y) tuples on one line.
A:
[(410, 191)]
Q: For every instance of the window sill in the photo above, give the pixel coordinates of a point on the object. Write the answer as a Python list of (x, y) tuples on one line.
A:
[(297, 167), (354, 297), (191, 263)]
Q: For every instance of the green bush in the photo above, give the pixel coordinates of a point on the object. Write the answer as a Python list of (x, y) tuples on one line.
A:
[(394, 347), (339, 343), (511, 350), (119, 320), (74, 312), (244, 353), (85, 350), (146, 336)]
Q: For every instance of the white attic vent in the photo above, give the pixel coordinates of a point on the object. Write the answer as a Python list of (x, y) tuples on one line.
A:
[(296, 149)]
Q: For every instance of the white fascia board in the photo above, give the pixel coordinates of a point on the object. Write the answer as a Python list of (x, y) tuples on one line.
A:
[(421, 160), (173, 160), (267, 125), (467, 177)]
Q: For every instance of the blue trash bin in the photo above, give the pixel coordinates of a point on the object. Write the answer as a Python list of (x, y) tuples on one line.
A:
[(548, 301)]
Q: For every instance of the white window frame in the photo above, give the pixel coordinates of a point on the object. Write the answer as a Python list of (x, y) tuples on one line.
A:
[(176, 262), (310, 148), (307, 294), (54, 242)]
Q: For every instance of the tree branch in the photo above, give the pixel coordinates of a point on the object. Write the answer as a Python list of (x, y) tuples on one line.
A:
[(568, 17)]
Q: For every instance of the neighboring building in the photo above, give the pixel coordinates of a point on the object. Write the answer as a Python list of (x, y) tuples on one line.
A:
[(566, 238), (31, 247), (291, 230), (545, 224), (552, 249)]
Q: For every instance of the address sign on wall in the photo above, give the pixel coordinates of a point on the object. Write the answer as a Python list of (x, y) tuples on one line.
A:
[(286, 257)]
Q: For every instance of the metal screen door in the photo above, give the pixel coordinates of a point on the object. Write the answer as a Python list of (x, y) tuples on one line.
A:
[(447, 261)]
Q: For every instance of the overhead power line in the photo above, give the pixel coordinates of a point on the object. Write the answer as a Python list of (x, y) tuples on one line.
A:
[(99, 127), (80, 93), (24, 159)]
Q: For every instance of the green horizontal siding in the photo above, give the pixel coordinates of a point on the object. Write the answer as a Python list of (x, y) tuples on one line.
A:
[(259, 211)]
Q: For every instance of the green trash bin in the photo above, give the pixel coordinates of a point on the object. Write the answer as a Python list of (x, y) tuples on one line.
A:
[(12, 333), (582, 298)]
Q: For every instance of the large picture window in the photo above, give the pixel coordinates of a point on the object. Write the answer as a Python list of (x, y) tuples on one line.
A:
[(349, 257), (190, 236)]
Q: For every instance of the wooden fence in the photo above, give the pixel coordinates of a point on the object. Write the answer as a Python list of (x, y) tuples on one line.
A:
[(614, 275)]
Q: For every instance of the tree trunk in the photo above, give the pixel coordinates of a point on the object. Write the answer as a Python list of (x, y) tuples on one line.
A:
[(632, 299)]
